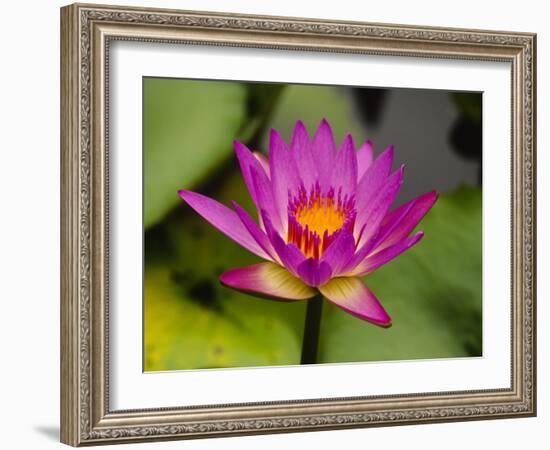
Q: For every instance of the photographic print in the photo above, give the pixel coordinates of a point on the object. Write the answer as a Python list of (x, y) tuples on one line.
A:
[(289, 224), (336, 219)]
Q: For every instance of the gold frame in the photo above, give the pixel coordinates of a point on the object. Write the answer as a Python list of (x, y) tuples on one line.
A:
[(86, 31)]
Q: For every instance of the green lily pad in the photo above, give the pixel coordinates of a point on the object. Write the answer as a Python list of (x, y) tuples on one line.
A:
[(192, 325), (432, 292), (188, 127)]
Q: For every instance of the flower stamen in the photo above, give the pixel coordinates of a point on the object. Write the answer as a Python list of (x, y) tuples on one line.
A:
[(316, 218)]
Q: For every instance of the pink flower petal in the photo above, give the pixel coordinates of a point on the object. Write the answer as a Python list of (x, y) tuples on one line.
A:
[(263, 161), (399, 223), (224, 219), (267, 280), (324, 153), (374, 261), (284, 175), (247, 162), (354, 297), (344, 172), (255, 231), (313, 272), (290, 255), (364, 158), (373, 178), (371, 216), (303, 158), (265, 201), (339, 252)]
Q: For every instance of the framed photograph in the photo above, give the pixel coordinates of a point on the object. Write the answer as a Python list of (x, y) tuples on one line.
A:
[(276, 225)]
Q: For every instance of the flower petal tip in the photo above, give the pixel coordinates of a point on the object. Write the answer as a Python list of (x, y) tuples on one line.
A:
[(389, 152), (185, 194), (413, 240), (273, 133), (384, 325), (348, 142), (380, 323), (300, 127), (324, 124), (225, 279), (383, 320), (419, 235), (240, 147), (354, 297)]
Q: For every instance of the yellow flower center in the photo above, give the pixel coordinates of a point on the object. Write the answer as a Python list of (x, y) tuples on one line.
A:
[(321, 217), (314, 219)]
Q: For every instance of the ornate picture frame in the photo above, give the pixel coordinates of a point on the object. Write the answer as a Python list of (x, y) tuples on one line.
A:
[(87, 32)]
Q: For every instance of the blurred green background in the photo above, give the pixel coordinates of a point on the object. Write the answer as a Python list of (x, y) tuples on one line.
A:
[(432, 292)]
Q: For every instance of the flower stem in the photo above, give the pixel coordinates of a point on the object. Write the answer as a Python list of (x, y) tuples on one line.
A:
[(311, 330)]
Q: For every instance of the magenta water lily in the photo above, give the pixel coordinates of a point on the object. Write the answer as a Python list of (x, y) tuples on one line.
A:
[(324, 220)]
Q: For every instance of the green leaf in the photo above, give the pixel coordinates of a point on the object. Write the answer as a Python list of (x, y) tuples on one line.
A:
[(188, 129), (194, 324), (432, 292)]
